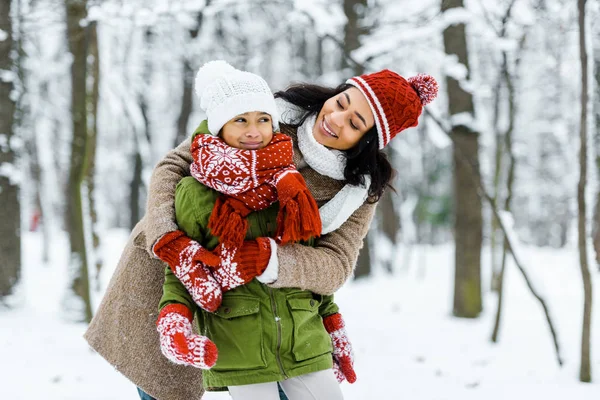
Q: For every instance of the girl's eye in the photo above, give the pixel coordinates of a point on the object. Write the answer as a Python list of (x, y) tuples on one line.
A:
[(339, 103), (265, 119), (240, 120), (353, 126)]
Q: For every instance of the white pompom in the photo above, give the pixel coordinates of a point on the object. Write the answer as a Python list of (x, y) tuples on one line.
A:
[(209, 72)]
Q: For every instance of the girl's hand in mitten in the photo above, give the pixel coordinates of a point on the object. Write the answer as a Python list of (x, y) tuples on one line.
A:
[(179, 344)]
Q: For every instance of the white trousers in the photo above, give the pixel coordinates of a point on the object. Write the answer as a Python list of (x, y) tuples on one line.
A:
[(320, 385)]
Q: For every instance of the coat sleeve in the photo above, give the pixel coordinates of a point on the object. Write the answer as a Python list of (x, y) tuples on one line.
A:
[(188, 221), (328, 306), (160, 209), (326, 267)]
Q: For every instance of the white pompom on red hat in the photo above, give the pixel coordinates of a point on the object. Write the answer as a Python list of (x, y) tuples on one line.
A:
[(225, 92)]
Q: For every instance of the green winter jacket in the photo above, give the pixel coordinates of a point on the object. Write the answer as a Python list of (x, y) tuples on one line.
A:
[(262, 334)]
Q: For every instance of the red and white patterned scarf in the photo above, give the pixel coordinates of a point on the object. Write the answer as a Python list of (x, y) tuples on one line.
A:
[(252, 180)]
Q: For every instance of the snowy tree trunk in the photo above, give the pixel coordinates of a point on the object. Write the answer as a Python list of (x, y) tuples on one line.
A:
[(10, 212), (508, 144), (585, 373), (596, 144), (353, 31), (389, 220), (136, 185), (495, 237), (78, 268), (94, 67), (468, 225), (363, 264)]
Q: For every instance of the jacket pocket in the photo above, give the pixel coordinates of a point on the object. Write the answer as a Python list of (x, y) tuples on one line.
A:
[(310, 339), (236, 329)]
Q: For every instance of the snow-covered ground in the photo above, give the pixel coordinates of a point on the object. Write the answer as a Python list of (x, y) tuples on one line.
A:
[(407, 344)]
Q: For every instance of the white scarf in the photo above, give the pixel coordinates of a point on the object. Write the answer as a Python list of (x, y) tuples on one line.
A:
[(330, 163)]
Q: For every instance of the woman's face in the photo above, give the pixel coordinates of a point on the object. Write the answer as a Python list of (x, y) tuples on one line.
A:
[(248, 131), (343, 120)]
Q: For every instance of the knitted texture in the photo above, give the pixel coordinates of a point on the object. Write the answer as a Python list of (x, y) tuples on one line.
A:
[(184, 257), (241, 266), (395, 102), (170, 247), (225, 92), (342, 349), (252, 180), (179, 344)]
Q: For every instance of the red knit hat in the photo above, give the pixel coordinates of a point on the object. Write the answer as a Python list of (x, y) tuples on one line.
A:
[(396, 102)]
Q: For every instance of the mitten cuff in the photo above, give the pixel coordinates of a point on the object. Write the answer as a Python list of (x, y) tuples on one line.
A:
[(271, 273), (256, 253), (175, 308), (168, 247), (333, 322)]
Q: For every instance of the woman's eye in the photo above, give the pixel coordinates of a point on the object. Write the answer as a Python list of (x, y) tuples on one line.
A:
[(265, 120), (353, 126), (240, 120), (339, 104)]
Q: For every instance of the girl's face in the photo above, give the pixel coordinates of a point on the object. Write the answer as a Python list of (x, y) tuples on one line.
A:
[(343, 120), (248, 131)]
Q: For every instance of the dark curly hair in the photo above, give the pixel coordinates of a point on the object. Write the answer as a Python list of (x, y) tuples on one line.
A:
[(364, 158)]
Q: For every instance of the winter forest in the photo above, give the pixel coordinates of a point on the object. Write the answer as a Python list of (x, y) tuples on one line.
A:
[(476, 277)]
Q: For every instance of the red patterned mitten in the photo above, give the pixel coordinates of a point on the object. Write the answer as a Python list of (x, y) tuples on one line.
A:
[(240, 266), (174, 246), (187, 259), (179, 344), (343, 359)]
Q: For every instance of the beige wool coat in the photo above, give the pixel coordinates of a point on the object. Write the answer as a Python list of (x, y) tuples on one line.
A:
[(123, 331)]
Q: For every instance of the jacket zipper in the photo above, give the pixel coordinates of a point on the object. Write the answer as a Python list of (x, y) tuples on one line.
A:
[(278, 323)]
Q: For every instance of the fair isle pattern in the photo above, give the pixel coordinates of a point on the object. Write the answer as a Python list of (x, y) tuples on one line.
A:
[(227, 275), (197, 279), (246, 175), (381, 121), (225, 161), (342, 349), (341, 346), (175, 329), (337, 371)]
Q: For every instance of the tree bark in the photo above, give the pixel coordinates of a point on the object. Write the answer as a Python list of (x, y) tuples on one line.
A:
[(351, 42), (596, 144), (389, 220), (585, 372), (94, 66), (77, 38), (10, 212), (508, 144), (363, 264), (468, 224), (352, 32)]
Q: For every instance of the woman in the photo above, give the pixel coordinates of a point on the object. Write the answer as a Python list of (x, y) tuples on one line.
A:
[(338, 135)]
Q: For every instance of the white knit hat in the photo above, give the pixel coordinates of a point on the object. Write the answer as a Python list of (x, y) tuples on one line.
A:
[(225, 92)]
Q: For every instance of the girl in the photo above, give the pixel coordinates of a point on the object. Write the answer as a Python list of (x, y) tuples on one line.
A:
[(258, 336)]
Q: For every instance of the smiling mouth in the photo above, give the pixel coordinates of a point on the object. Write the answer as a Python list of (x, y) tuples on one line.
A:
[(251, 145), (327, 129)]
